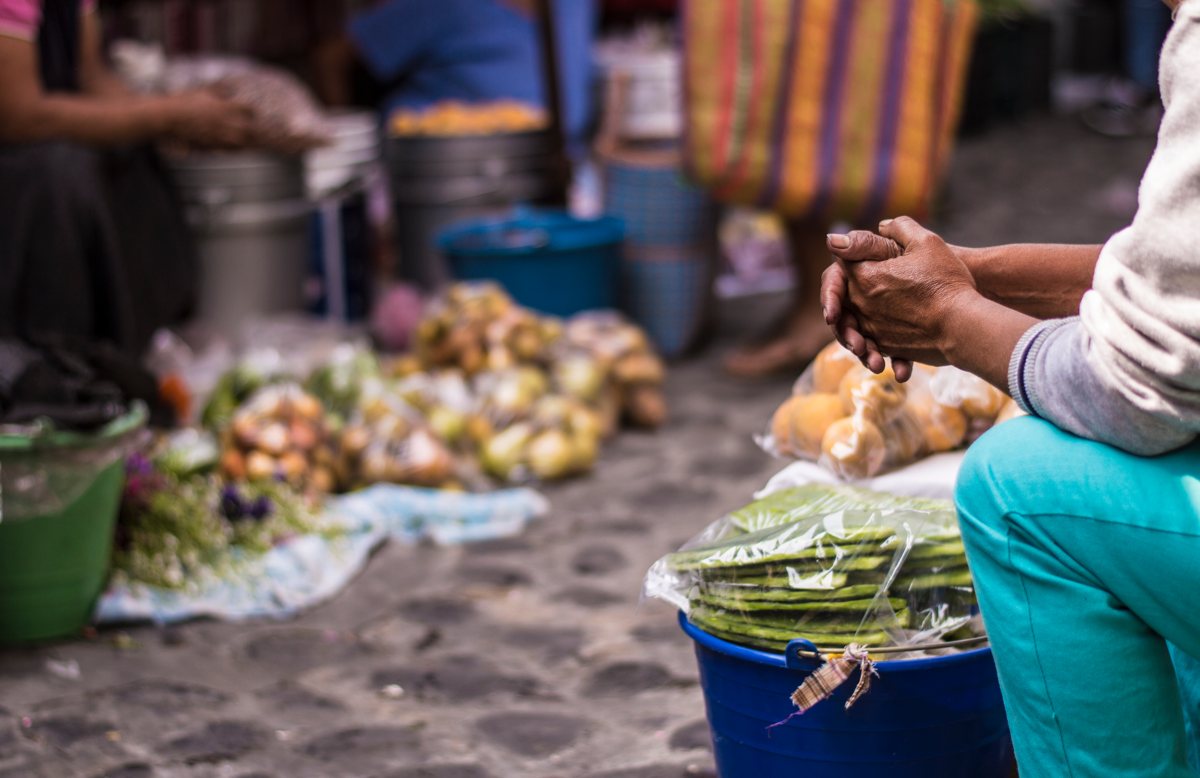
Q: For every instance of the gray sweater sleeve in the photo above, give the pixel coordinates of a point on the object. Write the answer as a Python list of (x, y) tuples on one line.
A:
[(1052, 375)]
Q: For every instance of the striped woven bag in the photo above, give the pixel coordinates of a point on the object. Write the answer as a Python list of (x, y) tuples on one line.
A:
[(828, 109)]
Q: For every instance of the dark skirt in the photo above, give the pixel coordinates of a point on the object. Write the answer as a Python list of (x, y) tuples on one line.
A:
[(93, 244)]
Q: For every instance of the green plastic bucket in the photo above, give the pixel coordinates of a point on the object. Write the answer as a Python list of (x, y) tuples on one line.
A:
[(59, 497)]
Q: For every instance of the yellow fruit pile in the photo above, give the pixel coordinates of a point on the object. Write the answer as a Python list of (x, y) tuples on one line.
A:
[(858, 423), (387, 441), (451, 117), (281, 432), (543, 394)]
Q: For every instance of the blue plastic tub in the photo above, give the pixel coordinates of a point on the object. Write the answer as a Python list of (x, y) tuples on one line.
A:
[(923, 718), (547, 260)]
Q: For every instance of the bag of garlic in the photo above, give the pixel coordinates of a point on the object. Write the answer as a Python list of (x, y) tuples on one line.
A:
[(386, 440), (858, 424), (833, 564)]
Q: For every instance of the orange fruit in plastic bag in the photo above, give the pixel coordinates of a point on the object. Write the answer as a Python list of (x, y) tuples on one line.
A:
[(876, 397), (830, 366), (904, 438), (945, 427), (853, 448), (800, 423)]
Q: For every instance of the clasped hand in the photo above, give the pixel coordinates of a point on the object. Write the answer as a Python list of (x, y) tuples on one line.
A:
[(891, 294)]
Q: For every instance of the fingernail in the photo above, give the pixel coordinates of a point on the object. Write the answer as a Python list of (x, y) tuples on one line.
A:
[(885, 222), (839, 241)]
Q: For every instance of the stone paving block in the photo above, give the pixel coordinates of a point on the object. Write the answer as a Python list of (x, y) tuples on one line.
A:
[(532, 734), (692, 737), (294, 650), (217, 741), (458, 679), (364, 748), (440, 771), (598, 560)]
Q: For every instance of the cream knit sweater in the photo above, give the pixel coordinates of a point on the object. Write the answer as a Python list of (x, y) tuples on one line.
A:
[(1127, 371)]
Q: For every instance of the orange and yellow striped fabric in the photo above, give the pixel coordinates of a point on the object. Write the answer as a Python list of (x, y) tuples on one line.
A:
[(833, 109)]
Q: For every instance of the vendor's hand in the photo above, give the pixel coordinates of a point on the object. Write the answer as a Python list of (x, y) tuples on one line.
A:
[(900, 304), (863, 245), (204, 119), (859, 245)]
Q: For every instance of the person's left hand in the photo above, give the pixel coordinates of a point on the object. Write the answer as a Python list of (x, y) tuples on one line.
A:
[(901, 304), (858, 246)]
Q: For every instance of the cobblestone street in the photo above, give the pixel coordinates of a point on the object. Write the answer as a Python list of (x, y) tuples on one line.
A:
[(530, 656)]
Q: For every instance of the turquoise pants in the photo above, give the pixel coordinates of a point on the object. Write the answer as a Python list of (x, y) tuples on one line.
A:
[(1087, 568)]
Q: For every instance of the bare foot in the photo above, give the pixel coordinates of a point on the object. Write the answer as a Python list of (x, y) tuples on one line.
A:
[(790, 349)]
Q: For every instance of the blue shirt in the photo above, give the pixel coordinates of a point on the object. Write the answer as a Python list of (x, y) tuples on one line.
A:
[(427, 51)]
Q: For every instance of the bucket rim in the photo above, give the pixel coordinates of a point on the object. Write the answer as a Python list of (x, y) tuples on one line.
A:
[(128, 423), (551, 232), (772, 659), (539, 133)]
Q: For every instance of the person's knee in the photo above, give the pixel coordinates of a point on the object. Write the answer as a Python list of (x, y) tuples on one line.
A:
[(994, 468)]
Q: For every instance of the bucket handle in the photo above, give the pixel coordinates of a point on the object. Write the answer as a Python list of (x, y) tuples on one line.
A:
[(803, 654)]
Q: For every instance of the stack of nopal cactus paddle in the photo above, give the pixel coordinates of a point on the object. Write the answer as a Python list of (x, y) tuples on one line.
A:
[(833, 564)]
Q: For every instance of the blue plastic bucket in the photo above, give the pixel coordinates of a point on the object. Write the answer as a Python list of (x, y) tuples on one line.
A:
[(547, 260), (940, 717)]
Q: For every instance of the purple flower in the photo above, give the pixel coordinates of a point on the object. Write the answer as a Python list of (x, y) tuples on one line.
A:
[(233, 507), (261, 508), (138, 463), (140, 488)]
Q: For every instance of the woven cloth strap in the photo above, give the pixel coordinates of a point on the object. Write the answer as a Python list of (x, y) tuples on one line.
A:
[(826, 679)]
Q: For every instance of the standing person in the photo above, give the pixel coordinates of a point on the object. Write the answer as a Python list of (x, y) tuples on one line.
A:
[(1082, 524), (94, 243), (823, 111), (1134, 107), (420, 53), (792, 340)]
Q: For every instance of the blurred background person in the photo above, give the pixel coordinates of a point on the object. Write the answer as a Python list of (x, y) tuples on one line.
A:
[(94, 241), (823, 112), (420, 53), (1133, 106)]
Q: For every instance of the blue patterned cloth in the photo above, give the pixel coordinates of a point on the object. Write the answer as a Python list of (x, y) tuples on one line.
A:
[(310, 569), (669, 257)]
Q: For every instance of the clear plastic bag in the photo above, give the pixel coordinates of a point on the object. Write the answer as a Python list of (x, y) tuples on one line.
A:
[(833, 564), (286, 115), (858, 424), (339, 382), (280, 433), (386, 440), (477, 327), (635, 371), (44, 470)]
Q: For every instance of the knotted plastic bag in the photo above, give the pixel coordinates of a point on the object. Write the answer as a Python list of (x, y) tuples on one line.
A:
[(833, 564), (858, 424)]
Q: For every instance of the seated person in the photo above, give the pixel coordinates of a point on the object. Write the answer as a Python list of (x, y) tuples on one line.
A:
[(94, 242), (420, 53), (1082, 523)]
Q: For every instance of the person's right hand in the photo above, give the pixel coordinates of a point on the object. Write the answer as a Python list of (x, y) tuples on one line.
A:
[(204, 119), (857, 246)]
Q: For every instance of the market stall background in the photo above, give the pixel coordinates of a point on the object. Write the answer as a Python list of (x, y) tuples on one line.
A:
[(529, 655)]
